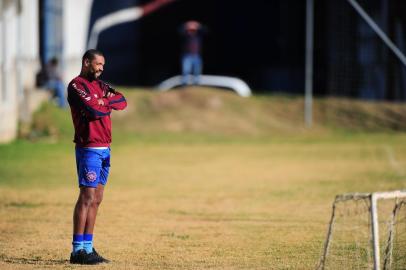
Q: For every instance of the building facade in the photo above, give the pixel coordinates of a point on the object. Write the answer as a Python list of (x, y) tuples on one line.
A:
[(32, 32)]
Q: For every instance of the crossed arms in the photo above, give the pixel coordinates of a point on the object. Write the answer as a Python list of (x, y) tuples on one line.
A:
[(92, 106)]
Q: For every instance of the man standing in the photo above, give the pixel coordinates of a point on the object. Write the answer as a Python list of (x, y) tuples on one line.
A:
[(55, 82), (191, 32), (91, 102)]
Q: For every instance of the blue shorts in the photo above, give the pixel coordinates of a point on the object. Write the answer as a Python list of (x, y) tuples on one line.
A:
[(93, 166)]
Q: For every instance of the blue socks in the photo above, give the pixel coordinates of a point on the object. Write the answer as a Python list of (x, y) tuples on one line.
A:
[(77, 243), (88, 243), (82, 241)]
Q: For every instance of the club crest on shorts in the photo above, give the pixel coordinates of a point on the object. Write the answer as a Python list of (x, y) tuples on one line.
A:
[(91, 176)]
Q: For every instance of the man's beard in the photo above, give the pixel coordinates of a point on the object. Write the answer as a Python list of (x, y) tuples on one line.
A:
[(94, 75)]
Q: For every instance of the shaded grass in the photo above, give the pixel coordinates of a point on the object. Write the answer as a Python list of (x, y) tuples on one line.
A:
[(211, 115)]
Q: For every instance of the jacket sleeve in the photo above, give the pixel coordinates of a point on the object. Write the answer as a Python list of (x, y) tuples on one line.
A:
[(116, 102), (79, 95)]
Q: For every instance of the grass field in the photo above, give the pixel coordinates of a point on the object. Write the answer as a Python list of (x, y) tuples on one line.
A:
[(248, 197)]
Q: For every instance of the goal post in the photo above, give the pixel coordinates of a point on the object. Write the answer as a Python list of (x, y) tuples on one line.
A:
[(374, 216), (361, 211)]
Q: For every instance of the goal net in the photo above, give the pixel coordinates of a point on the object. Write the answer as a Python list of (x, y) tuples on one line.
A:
[(366, 231), (351, 59)]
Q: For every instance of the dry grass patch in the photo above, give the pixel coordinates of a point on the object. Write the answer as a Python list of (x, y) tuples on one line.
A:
[(197, 206)]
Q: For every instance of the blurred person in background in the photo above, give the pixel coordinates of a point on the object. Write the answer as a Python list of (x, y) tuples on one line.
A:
[(54, 82), (91, 102), (191, 61)]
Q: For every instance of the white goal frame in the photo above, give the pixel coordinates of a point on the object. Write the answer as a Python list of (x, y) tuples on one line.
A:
[(374, 198)]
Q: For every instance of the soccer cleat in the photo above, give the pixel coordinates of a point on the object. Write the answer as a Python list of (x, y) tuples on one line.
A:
[(99, 258), (81, 257)]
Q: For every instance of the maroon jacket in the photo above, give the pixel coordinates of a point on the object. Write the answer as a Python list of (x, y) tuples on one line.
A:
[(92, 121)]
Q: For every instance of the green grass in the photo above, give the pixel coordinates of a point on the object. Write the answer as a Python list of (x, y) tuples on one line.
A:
[(186, 196)]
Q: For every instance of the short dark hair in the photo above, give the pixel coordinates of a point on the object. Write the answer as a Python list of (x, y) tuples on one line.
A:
[(90, 54)]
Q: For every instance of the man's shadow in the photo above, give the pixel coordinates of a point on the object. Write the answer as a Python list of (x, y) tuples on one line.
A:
[(32, 261)]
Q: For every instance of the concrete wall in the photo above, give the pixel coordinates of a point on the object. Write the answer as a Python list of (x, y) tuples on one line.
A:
[(75, 33), (28, 62), (8, 64), (19, 63)]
